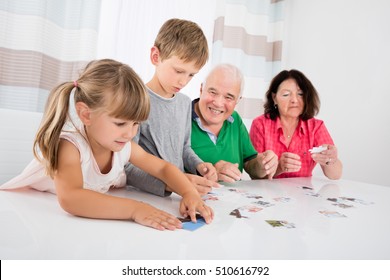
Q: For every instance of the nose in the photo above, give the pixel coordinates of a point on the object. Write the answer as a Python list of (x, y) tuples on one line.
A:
[(183, 80), (294, 98), (130, 132), (218, 100)]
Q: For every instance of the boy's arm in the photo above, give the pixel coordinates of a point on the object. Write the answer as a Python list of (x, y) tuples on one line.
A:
[(141, 180), (190, 159)]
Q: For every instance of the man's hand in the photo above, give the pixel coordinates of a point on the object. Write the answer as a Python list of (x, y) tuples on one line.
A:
[(227, 171)]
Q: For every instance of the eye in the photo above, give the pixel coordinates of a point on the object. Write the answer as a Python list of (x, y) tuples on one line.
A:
[(120, 123), (300, 94), (230, 98)]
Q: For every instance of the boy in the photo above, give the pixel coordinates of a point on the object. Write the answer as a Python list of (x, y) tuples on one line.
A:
[(179, 52)]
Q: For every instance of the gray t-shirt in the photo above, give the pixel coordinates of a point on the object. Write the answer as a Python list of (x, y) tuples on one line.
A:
[(167, 135)]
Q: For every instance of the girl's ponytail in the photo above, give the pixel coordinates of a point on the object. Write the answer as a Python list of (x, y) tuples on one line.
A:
[(47, 139)]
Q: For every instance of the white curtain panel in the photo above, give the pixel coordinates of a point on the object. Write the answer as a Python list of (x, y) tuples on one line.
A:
[(43, 43), (248, 34)]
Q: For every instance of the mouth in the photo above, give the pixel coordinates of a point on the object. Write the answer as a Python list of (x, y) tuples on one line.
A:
[(176, 89), (215, 111), (121, 143)]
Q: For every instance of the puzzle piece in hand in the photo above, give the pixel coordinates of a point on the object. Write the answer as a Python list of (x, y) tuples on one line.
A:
[(317, 150), (187, 224)]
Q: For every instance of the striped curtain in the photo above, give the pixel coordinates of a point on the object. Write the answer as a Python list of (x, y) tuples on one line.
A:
[(248, 34), (43, 43)]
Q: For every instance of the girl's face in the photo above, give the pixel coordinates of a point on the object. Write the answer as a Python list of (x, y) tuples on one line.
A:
[(289, 99), (110, 133)]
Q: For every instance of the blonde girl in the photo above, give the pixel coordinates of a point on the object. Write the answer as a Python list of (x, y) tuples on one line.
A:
[(81, 159)]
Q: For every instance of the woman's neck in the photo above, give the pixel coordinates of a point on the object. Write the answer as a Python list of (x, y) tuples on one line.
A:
[(289, 126)]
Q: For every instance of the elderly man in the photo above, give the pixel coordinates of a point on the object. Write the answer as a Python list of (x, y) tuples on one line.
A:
[(218, 134)]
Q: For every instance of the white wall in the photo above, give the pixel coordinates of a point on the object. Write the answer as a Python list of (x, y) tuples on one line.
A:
[(343, 48)]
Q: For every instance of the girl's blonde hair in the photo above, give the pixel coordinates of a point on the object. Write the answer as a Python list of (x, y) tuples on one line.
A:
[(105, 86)]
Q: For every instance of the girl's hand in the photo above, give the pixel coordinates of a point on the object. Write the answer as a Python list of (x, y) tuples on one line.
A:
[(150, 216), (191, 204)]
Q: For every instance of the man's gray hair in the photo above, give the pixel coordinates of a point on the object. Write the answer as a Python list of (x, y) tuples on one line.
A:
[(231, 69)]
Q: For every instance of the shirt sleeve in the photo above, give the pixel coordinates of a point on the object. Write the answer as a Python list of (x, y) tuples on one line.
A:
[(190, 159), (256, 134), (141, 180), (321, 134)]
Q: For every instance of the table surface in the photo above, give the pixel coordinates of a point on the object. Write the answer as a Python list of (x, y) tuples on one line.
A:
[(33, 225)]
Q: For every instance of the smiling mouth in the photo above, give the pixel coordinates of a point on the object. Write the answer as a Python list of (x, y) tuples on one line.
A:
[(214, 111)]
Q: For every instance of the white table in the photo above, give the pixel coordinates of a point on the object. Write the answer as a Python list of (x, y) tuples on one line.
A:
[(33, 226)]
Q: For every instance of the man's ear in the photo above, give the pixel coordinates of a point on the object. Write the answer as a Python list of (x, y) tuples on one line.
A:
[(83, 112), (201, 89), (155, 55)]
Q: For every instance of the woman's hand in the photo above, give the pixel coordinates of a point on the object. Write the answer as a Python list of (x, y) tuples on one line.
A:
[(289, 162), (327, 157)]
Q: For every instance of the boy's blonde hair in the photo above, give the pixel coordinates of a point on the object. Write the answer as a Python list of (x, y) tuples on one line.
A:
[(104, 86), (182, 38)]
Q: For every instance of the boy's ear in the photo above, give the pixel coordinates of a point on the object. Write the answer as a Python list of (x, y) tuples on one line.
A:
[(154, 55), (83, 112)]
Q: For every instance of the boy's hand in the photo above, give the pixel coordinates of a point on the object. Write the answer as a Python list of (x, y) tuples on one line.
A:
[(150, 216), (191, 204), (207, 170), (202, 185)]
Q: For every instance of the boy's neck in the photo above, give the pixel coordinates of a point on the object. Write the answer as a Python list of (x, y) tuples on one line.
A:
[(157, 89)]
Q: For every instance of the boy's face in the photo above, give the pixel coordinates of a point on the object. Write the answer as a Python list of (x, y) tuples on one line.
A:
[(172, 74)]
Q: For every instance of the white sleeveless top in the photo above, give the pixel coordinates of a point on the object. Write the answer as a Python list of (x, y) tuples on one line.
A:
[(34, 174)]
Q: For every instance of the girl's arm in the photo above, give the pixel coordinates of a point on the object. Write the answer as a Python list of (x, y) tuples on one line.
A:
[(175, 179), (78, 201)]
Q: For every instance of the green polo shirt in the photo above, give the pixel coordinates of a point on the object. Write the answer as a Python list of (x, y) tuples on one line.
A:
[(233, 143)]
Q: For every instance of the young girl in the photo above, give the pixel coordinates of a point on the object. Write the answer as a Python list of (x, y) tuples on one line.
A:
[(80, 162)]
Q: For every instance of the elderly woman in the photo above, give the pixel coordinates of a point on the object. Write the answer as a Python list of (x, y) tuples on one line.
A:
[(288, 128)]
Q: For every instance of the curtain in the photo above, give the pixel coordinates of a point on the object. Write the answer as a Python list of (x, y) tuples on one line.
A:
[(248, 34), (128, 30), (43, 43)]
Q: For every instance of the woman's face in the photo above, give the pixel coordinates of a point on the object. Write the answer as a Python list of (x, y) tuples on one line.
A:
[(289, 99)]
